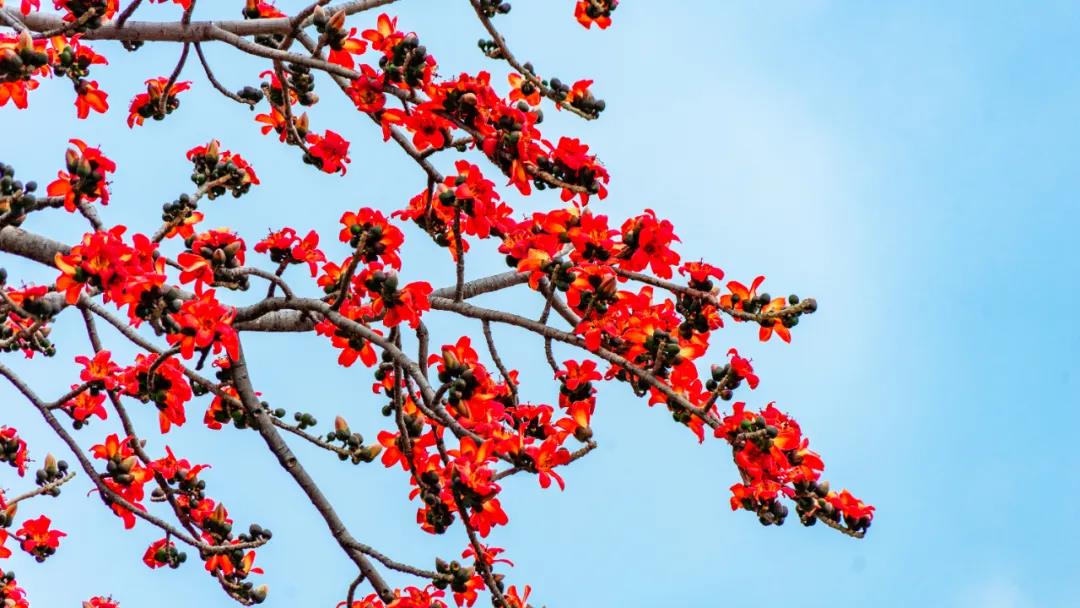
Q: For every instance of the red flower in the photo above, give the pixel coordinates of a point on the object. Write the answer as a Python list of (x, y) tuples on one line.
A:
[(37, 539), (86, 404), (104, 602), (90, 97), (372, 236), (259, 9), (149, 104), (205, 323), (523, 89), (352, 347), (545, 458), (588, 12), (168, 389), (385, 36), (13, 449), (86, 177), (100, 369), (157, 554), (406, 304), (852, 508), (743, 369), (366, 91), (343, 47), (330, 152)]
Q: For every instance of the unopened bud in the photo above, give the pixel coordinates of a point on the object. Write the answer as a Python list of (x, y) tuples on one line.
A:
[(340, 425), (337, 21)]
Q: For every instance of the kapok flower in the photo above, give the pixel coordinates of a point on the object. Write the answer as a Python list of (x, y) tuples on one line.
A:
[(158, 101), (85, 178), (329, 152), (205, 323), (38, 539)]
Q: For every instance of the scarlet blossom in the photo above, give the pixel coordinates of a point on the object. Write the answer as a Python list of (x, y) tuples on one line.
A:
[(16, 92), (205, 323), (352, 347), (149, 104), (573, 164), (38, 539), (214, 164), (588, 12), (13, 449), (545, 458), (167, 388), (4, 551), (366, 91), (701, 274), (775, 325), (90, 97), (32, 62), (176, 469), (285, 247), (275, 121), (156, 555), (743, 369), (85, 178), (343, 47), (385, 35), (372, 236), (646, 243), (429, 130), (741, 296), (99, 601), (27, 5), (86, 404), (100, 369), (402, 305), (523, 89), (260, 9), (211, 252), (330, 152), (106, 9), (851, 507)]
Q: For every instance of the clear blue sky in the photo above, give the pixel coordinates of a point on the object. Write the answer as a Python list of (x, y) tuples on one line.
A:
[(913, 166)]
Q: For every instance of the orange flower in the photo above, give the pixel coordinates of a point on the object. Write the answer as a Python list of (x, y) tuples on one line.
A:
[(90, 97), (149, 104), (329, 152), (85, 179), (38, 539), (205, 323), (523, 89)]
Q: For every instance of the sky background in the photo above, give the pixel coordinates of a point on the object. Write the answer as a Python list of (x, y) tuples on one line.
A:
[(911, 165)]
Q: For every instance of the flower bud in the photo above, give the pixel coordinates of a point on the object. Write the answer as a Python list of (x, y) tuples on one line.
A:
[(340, 425), (337, 21)]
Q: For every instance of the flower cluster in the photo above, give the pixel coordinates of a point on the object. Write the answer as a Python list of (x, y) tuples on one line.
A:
[(285, 248), (159, 100), (128, 275), (13, 449), (588, 12), (775, 461), (210, 257), (89, 13), (11, 594), (204, 324), (218, 171), (160, 382), (85, 178)]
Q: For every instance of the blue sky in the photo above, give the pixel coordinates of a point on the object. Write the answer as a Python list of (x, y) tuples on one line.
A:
[(911, 165)]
